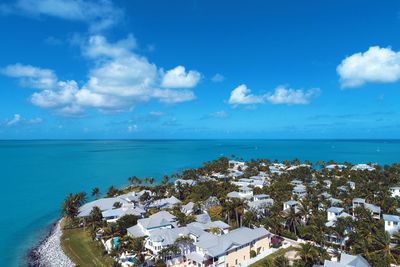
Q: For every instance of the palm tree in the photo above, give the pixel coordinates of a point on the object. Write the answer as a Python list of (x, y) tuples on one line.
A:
[(308, 254), (280, 261), (151, 180), (292, 219), (96, 192)]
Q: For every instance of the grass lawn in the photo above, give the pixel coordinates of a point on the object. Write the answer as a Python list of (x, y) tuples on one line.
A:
[(272, 256), (82, 250)]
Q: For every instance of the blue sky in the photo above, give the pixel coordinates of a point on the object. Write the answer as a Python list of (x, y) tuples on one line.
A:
[(199, 69)]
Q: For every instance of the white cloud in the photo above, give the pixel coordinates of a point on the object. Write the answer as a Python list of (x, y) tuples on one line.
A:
[(15, 120), (283, 95), (241, 95), (179, 78), (218, 78), (219, 114), (31, 76), (18, 120), (99, 15), (375, 65), (118, 80)]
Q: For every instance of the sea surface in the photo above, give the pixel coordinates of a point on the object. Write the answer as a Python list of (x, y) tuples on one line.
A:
[(37, 175)]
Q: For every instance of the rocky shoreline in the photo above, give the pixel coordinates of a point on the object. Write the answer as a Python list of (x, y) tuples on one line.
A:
[(49, 252)]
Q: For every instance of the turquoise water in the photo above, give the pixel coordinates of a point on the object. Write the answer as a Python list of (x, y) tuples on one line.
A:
[(37, 175)]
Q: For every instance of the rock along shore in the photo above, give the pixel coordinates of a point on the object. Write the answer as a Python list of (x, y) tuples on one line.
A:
[(49, 253)]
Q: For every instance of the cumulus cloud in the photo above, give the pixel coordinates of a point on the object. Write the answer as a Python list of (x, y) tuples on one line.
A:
[(98, 15), (375, 65), (31, 76), (118, 80), (179, 78), (241, 95), (18, 120), (218, 78), (283, 95)]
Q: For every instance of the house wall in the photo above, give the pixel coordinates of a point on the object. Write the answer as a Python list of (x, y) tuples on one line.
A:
[(243, 254)]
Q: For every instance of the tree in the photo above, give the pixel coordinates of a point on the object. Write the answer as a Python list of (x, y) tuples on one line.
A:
[(96, 192), (117, 205), (112, 191), (127, 221), (72, 203), (308, 254), (95, 218), (169, 252), (280, 261), (292, 219)]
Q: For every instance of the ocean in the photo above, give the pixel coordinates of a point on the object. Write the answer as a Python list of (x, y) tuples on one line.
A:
[(37, 175)]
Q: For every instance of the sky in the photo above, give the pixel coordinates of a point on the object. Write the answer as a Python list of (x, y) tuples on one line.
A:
[(155, 69)]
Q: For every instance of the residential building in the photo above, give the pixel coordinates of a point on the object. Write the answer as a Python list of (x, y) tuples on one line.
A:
[(159, 220), (392, 223), (347, 260)]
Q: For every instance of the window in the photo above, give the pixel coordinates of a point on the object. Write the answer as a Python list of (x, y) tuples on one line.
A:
[(236, 261), (227, 265)]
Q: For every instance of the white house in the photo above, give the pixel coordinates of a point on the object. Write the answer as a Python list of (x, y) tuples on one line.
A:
[(392, 223), (395, 191), (159, 220), (244, 193)]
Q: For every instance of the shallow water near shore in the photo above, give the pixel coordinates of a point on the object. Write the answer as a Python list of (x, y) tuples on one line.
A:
[(37, 175)]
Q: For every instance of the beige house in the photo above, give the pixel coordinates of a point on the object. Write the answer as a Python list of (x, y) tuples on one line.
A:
[(228, 250)]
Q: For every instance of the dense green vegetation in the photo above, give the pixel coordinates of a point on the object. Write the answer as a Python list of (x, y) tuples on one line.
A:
[(367, 237)]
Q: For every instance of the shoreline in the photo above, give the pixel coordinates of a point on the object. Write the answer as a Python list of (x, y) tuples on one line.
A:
[(49, 252)]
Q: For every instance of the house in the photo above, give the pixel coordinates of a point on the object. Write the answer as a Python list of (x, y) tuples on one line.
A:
[(244, 193), (290, 204), (339, 167), (212, 201), (159, 220), (135, 196), (237, 165), (333, 213), (188, 208), (347, 260), (328, 183), (300, 191), (375, 210), (296, 182), (164, 203), (231, 249), (261, 197), (395, 191), (188, 182), (113, 215), (392, 223), (362, 167), (103, 204)]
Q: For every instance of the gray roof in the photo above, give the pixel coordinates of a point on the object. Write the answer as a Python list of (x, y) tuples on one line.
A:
[(165, 202), (123, 211), (391, 218), (373, 208), (217, 245), (347, 260), (257, 204), (188, 207), (335, 210), (136, 231), (161, 218), (203, 218), (102, 203)]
